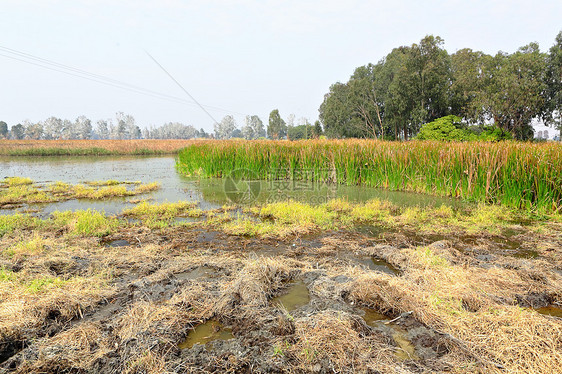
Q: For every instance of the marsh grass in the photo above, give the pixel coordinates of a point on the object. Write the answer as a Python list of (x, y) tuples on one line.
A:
[(162, 215), (85, 222), (291, 218), (517, 175), (24, 191), (93, 147)]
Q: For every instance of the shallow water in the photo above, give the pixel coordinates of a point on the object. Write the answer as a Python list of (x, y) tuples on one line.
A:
[(372, 317), (205, 333), (405, 349), (379, 264), (551, 310), (297, 296), (210, 193)]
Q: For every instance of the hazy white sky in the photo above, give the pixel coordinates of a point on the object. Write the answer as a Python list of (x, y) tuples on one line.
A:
[(247, 56)]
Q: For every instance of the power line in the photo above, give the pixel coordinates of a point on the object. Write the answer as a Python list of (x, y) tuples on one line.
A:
[(184, 90), (69, 70)]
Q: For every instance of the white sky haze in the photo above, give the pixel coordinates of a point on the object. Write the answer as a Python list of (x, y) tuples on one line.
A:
[(247, 57)]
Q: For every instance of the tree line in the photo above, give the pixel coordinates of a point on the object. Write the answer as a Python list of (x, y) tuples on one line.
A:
[(417, 84), (124, 126)]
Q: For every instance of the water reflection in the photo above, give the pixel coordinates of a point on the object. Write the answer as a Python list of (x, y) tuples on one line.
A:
[(210, 193)]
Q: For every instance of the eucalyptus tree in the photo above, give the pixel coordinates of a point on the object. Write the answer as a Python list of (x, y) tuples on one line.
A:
[(225, 128), (17, 131), (469, 78), (82, 128), (277, 128), (514, 90), (554, 84), (102, 129), (3, 129), (53, 128), (253, 128), (33, 130)]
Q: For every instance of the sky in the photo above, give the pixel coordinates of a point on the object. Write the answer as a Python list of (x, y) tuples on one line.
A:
[(233, 57)]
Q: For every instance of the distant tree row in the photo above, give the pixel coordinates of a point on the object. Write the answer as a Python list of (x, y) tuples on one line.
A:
[(277, 128), (417, 84), (123, 126)]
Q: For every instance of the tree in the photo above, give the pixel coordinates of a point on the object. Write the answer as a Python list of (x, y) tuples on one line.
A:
[(365, 100), (554, 84), (277, 128), (514, 90), (126, 128), (225, 128), (3, 129), (17, 131), (102, 130), (317, 129), (33, 130), (468, 69), (82, 128), (446, 128), (253, 128), (203, 134), (337, 115), (67, 129), (429, 65), (53, 128)]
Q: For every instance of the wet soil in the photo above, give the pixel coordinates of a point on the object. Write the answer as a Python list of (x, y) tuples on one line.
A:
[(225, 322)]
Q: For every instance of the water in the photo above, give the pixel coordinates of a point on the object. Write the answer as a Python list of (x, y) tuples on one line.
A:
[(550, 310), (379, 264), (205, 333), (296, 297), (405, 349), (210, 193), (73, 170)]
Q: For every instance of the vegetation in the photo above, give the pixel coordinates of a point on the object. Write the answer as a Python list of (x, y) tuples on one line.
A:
[(461, 300), (91, 147), (452, 128), (513, 174), (17, 191), (417, 84)]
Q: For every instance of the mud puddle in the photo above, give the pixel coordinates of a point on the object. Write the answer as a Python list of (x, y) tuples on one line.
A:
[(378, 264), (206, 332), (197, 273), (371, 230), (297, 296), (405, 349), (117, 243), (551, 310)]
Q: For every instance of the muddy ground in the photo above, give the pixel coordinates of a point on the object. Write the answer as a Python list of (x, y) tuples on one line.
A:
[(373, 301)]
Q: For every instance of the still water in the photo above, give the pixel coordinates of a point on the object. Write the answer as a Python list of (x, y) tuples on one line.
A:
[(210, 193)]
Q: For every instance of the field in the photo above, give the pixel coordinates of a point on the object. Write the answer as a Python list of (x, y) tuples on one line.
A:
[(288, 286), (519, 175), (91, 147)]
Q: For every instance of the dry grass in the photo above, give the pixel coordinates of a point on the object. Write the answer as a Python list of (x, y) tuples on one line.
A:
[(475, 307), (93, 147), (336, 338), (126, 309)]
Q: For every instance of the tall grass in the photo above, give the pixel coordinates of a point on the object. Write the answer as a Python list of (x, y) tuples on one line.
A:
[(520, 175)]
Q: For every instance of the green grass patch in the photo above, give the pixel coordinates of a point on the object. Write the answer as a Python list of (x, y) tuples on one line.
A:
[(85, 222)]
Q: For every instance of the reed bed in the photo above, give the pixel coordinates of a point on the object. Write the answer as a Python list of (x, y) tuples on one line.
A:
[(93, 147), (514, 174)]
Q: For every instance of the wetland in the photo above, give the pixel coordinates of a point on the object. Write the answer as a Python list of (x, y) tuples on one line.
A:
[(180, 278)]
